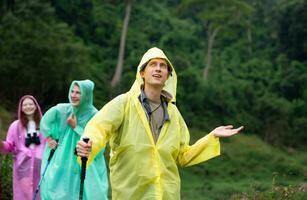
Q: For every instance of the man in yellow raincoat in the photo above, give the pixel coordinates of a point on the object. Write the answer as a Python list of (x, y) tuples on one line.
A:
[(147, 135)]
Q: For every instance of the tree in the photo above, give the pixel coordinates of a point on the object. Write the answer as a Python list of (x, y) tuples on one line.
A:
[(120, 61), (38, 54), (293, 29), (215, 15), (6, 6), (78, 14)]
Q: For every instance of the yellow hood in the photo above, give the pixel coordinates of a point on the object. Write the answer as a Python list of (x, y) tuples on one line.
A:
[(171, 83)]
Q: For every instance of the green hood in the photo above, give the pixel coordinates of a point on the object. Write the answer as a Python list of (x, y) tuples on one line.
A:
[(171, 83), (86, 97)]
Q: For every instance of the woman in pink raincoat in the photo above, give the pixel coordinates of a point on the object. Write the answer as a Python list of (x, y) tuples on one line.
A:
[(26, 144)]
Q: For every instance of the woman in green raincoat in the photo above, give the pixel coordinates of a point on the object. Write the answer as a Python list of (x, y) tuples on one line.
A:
[(148, 136), (66, 122)]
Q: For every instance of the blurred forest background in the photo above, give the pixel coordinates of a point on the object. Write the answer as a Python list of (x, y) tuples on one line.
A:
[(241, 62)]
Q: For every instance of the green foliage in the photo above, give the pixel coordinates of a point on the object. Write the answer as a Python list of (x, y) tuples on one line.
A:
[(38, 54), (77, 13), (258, 77), (5, 119), (293, 29), (251, 83), (6, 161), (6, 188), (277, 192)]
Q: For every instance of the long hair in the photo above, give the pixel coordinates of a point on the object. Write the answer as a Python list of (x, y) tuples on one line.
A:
[(23, 117)]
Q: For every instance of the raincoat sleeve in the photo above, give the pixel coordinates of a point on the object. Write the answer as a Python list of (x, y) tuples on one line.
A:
[(9, 144), (48, 123), (204, 149), (105, 124)]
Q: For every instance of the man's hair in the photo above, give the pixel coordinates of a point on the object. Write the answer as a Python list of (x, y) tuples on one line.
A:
[(169, 68)]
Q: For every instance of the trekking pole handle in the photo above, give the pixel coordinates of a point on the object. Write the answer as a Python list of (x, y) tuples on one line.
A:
[(83, 161), (52, 151), (86, 140)]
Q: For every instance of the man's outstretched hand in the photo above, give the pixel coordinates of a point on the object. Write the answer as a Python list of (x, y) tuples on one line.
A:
[(226, 131)]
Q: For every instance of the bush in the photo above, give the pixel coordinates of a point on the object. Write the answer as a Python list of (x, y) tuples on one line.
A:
[(6, 168)]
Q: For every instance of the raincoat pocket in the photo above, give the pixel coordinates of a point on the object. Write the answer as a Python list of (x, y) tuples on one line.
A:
[(121, 160), (173, 191), (24, 167)]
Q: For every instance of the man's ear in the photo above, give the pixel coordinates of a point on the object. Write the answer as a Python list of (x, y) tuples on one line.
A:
[(142, 73)]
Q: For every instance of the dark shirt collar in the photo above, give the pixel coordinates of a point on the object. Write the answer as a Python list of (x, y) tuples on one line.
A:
[(145, 104), (143, 96)]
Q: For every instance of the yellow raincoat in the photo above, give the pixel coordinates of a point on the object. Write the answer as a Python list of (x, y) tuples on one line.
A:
[(139, 167)]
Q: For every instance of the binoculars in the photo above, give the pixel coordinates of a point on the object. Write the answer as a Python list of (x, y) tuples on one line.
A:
[(32, 139)]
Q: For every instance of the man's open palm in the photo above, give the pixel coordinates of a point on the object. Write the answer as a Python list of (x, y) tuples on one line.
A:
[(226, 131)]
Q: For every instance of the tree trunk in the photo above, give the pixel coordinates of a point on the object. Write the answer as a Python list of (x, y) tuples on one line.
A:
[(250, 40), (10, 5), (211, 37), (120, 61)]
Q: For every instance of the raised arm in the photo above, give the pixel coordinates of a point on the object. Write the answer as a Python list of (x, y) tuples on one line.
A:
[(205, 148), (8, 146), (102, 127)]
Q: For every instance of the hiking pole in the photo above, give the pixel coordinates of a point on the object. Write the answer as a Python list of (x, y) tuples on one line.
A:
[(48, 162), (83, 169)]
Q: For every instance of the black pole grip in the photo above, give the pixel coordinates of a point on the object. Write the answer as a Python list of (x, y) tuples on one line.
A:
[(83, 161), (52, 151), (83, 169), (86, 139)]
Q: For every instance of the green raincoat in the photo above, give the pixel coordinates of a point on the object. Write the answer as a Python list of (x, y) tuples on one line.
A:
[(62, 178), (139, 167)]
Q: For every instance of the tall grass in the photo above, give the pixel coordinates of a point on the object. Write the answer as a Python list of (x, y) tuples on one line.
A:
[(248, 168)]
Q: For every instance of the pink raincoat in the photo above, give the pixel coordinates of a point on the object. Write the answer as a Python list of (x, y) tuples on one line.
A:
[(27, 161)]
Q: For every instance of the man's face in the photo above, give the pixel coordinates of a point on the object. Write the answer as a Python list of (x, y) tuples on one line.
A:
[(155, 72), (28, 107), (75, 95)]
